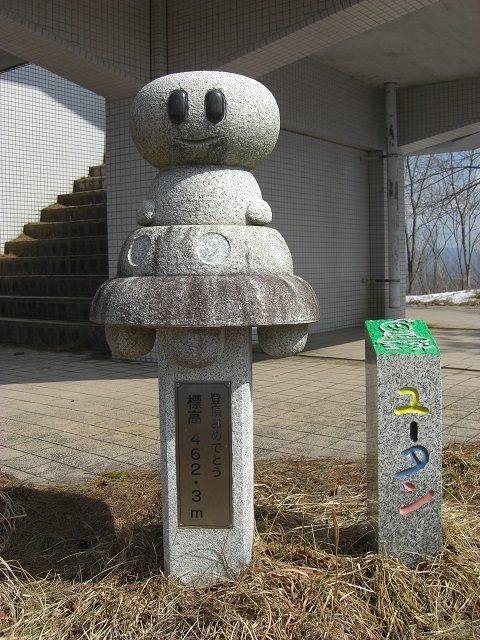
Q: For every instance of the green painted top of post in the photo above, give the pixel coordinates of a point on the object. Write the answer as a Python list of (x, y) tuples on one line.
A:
[(401, 336)]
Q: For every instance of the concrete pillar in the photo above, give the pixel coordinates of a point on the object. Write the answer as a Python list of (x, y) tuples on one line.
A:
[(394, 226)]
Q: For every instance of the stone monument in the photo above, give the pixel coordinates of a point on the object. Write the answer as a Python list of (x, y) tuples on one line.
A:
[(202, 270), (404, 438)]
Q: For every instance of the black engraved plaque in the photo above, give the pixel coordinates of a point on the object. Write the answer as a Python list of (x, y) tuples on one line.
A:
[(204, 454)]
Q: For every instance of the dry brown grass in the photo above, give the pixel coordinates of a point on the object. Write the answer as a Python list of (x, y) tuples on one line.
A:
[(85, 563)]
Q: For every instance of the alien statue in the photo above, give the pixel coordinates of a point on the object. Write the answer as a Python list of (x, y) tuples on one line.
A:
[(204, 259), (199, 273)]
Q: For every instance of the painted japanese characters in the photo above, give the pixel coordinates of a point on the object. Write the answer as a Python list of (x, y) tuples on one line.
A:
[(404, 437), (204, 455)]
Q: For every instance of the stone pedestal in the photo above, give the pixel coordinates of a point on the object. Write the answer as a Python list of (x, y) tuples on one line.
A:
[(202, 270), (207, 452), (404, 438)]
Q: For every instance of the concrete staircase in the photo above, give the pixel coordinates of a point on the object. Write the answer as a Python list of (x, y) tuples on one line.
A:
[(49, 274)]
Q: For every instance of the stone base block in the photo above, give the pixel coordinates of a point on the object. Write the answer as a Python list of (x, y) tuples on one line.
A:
[(206, 423)]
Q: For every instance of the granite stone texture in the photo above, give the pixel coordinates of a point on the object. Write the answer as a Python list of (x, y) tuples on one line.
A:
[(194, 348), (404, 450), (203, 257), (198, 554), (200, 272), (283, 340), (198, 194), (244, 137), (206, 301), (204, 250), (129, 341)]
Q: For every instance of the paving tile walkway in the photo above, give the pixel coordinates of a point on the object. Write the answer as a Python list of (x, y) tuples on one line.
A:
[(68, 416)]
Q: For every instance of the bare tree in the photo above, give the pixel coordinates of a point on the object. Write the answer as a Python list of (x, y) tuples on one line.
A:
[(462, 202), (442, 206), (416, 172), (422, 231)]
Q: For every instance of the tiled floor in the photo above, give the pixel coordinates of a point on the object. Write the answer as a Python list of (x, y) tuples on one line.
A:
[(66, 416)]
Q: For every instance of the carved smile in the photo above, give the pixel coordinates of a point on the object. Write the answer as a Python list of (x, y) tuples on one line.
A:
[(198, 141)]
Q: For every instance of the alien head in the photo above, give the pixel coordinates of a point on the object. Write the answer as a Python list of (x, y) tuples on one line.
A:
[(204, 117)]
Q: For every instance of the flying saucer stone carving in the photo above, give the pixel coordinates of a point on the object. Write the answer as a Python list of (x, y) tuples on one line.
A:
[(199, 273)]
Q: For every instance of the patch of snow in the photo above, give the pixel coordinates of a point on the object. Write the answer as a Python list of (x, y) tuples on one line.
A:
[(451, 297)]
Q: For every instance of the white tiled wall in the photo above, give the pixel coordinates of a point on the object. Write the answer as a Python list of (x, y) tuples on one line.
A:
[(318, 192), (326, 104), (327, 199), (52, 131), (429, 114), (159, 38), (128, 177), (111, 34)]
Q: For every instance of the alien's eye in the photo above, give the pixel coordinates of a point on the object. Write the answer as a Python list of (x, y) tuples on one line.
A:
[(178, 106), (215, 106)]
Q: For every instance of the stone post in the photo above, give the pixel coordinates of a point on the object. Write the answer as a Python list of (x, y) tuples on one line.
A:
[(404, 438), (203, 269), (207, 458)]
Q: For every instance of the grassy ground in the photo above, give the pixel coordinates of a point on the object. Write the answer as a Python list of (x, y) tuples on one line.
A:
[(84, 562)]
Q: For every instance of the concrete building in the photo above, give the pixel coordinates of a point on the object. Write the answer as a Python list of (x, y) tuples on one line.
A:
[(359, 83)]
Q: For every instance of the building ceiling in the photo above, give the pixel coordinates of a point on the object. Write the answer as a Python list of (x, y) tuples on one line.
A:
[(438, 43), (8, 60), (465, 143)]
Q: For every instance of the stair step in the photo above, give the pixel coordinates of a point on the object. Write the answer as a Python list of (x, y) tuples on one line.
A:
[(68, 335), (89, 184), (49, 275), (83, 197), (68, 214), (99, 170), (48, 230), (35, 285), (75, 265), (57, 247), (68, 309)]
